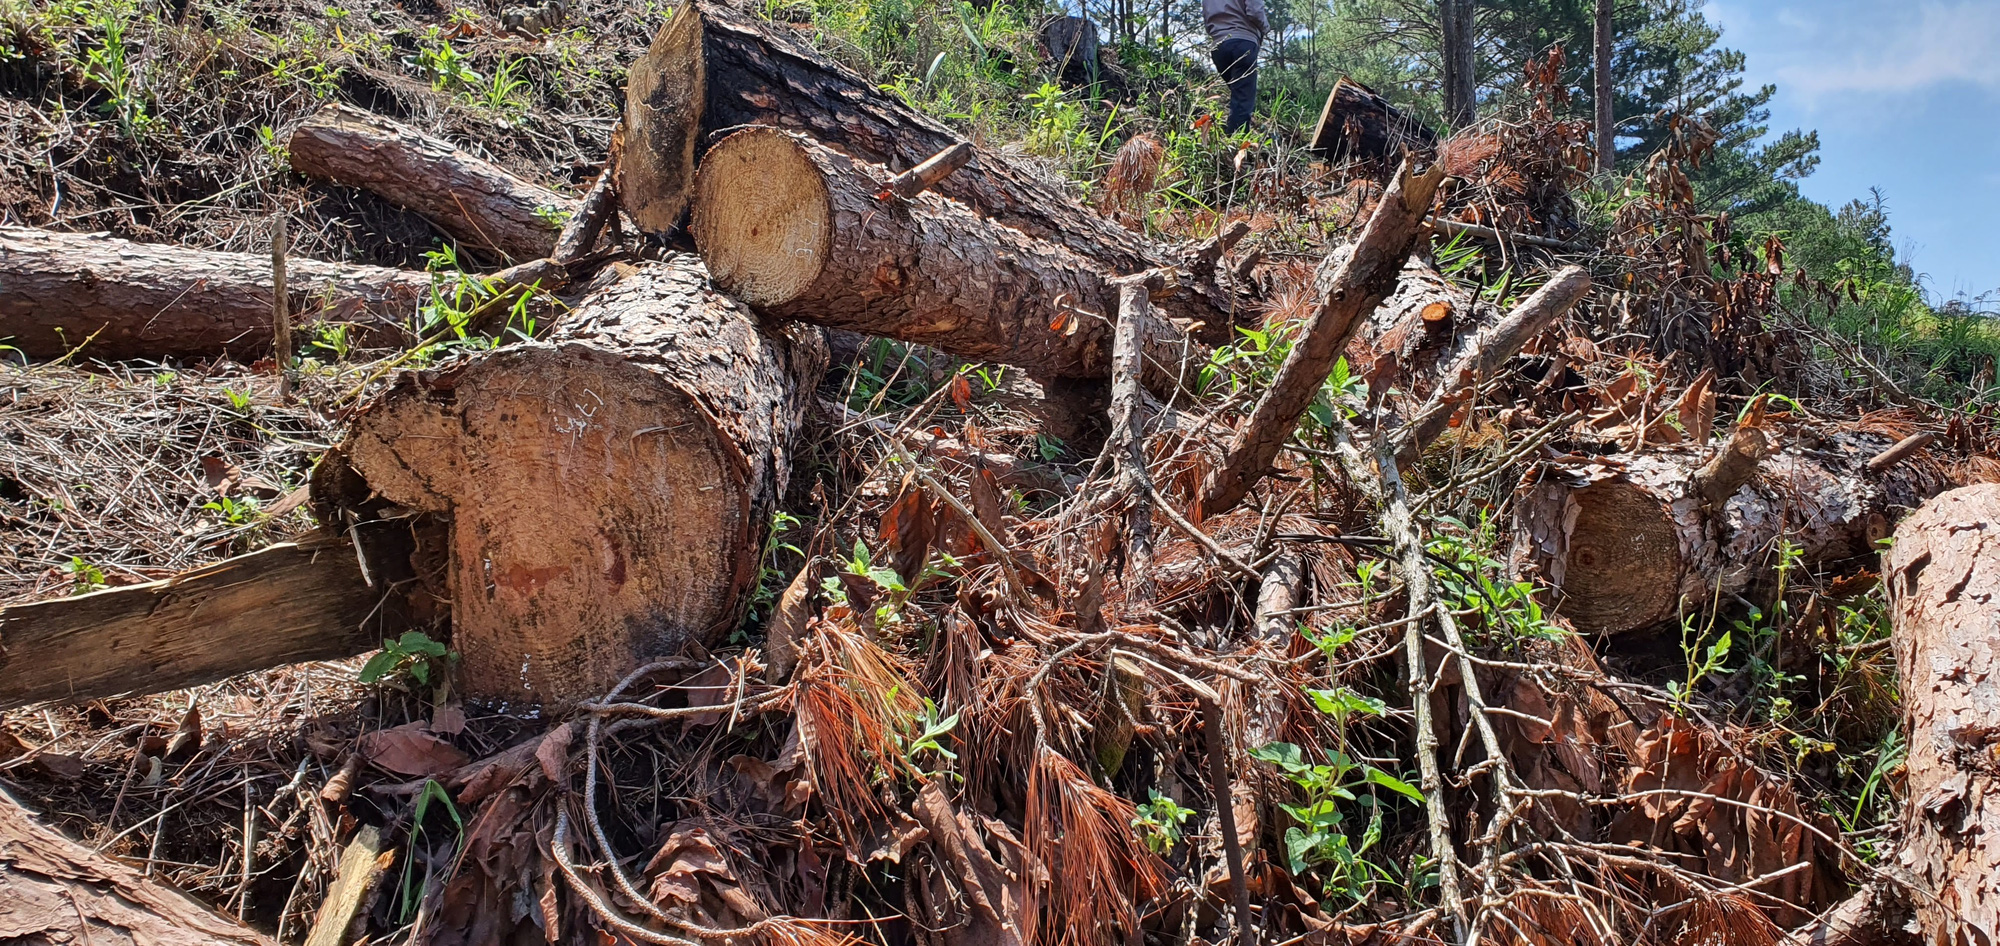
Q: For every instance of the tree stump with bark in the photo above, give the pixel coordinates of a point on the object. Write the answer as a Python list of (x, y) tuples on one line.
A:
[(1943, 578), (608, 490), (1357, 124)]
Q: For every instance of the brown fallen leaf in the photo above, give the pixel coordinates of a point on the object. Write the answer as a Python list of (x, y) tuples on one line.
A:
[(411, 749)]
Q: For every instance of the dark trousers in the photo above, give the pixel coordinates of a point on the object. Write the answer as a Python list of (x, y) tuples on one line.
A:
[(1236, 60)]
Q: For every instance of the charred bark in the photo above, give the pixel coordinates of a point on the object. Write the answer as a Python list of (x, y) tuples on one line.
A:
[(143, 300), (469, 199), (1943, 591), (607, 489), (799, 230), (54, 890), (1629, 543)]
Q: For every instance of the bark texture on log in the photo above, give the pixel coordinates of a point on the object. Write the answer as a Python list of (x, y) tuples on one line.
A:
[(285, 604), (1357, 124), (666, 95), (470, 199), (1943, 578), (146, 300), (54, 890), (1628, 543), (797, 229), (756, 74), (608, 489)]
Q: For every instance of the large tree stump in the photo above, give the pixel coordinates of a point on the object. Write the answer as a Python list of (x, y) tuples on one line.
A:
[(799, 230), (1943, 578), (608, 490), (143, 300), (470, 199), (54, 890), (1358, 124), (1628, 543)]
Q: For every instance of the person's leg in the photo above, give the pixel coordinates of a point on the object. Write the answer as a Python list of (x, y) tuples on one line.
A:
[(1236, 61)]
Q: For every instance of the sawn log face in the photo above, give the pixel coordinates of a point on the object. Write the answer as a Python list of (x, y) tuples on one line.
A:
[(607, 489)]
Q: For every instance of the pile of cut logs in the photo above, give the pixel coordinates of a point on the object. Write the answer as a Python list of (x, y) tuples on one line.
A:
[(572, 507)]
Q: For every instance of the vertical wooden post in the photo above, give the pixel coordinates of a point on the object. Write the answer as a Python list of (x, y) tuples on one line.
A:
[(281, 316)]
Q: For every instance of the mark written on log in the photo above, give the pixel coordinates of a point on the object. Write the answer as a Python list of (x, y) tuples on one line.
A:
[(530, 580)]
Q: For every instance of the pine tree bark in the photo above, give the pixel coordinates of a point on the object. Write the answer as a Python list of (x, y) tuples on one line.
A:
[(608, 490), (1631, 543), (54, 890), (144, 300), (1601, 90), (1943, 577), (470, 199), (756, 74), (800, 231), (1460, 62)]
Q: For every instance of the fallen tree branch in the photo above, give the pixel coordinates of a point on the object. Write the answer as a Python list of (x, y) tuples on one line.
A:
[(1360, 281)]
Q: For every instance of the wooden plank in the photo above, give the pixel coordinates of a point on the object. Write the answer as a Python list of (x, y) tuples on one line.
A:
[(362, 865), (285, 604)]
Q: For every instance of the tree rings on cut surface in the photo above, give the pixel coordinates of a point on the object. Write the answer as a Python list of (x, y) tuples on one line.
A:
[(765, 220)]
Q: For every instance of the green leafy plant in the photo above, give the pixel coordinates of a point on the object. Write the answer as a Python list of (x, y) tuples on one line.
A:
[(1319, 840), (84, 577), (236, 512), (1158, 821), (411, 889), (414, 655)]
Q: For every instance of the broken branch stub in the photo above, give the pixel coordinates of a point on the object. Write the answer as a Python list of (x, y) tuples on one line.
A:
[(607, 490)]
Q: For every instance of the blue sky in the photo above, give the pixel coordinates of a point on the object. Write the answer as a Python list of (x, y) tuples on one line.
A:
[(1906, 97)]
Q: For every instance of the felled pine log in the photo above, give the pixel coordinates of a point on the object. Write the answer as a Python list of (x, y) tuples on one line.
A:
[(1633, 542), (1943, 578), (799, 230), (54, 890), (753, 72), (472, 200), (144, 300), (607, 490), (1357, 124)]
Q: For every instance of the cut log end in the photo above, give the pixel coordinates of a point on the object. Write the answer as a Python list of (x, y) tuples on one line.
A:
[(665, 100), (764, 217), (604, 490), (1624, 560)]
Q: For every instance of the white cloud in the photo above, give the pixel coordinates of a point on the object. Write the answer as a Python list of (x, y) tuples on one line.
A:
[(1893, 48)]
